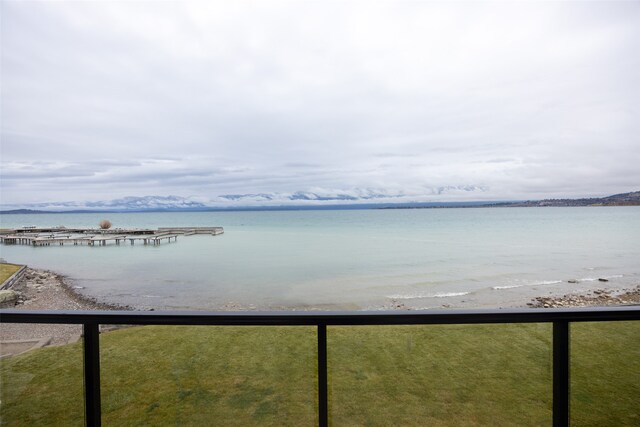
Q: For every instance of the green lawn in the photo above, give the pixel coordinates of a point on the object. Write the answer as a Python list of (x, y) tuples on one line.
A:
[(450, 375), (7, 270)]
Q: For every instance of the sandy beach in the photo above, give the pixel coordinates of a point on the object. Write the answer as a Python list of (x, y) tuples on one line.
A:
[(46, 290)]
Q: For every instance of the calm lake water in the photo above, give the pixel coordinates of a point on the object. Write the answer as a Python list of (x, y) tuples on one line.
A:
[(360, 259)]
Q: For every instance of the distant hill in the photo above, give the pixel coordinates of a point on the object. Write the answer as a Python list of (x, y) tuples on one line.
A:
[(624, 199)]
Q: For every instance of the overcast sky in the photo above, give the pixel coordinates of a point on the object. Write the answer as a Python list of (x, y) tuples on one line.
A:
[(107, 99)]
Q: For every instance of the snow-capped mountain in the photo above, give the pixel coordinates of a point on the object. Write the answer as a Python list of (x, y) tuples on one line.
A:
[(124, 204), (310, 196), (147, 202), (315, 197)]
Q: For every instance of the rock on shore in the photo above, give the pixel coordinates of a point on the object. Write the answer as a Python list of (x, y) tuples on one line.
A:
[(599, 297), (46, 290)]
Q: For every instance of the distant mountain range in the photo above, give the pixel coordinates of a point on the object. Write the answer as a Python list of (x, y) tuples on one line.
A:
[(362, 199), (125, 204), (274, 200)]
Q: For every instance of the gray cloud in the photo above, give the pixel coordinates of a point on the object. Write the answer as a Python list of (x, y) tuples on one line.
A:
[(525, 100)]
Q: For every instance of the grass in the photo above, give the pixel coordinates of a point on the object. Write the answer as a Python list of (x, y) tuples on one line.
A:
[(472, 375), (7, 270)]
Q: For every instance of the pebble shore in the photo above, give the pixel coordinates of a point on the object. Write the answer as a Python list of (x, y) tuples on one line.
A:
[(598, 297), (46, 290)]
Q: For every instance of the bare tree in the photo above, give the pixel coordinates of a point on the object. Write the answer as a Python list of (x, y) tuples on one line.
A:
[(105, 224)]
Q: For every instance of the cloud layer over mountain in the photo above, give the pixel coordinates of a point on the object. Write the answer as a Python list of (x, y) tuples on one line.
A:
[(319, 198)]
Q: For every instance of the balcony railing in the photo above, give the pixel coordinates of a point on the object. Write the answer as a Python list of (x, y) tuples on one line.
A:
[(560, 318)]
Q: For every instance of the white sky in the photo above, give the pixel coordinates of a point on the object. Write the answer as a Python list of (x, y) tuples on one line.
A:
[(522, 100)]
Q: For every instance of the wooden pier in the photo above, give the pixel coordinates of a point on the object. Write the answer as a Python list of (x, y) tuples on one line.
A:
[(94, 237), (214, 231)]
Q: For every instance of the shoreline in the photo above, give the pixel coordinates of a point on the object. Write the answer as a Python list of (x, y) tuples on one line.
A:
[(46, 290), (42, 289)]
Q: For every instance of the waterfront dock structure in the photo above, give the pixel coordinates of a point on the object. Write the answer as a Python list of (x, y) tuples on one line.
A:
[(96, 237)]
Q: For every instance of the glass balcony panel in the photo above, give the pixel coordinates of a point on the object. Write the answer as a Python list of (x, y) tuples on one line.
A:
[(605, 374), (446, 375), (41, 375), (209, 375)]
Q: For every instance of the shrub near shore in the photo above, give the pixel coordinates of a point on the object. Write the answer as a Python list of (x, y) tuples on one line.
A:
[(378, 375)]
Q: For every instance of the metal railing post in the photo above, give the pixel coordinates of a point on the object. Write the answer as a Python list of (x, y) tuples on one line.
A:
[(323, 406), (92, 374), (560, 373)]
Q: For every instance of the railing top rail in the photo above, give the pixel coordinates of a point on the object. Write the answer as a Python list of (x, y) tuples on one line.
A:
[(297, 318)]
